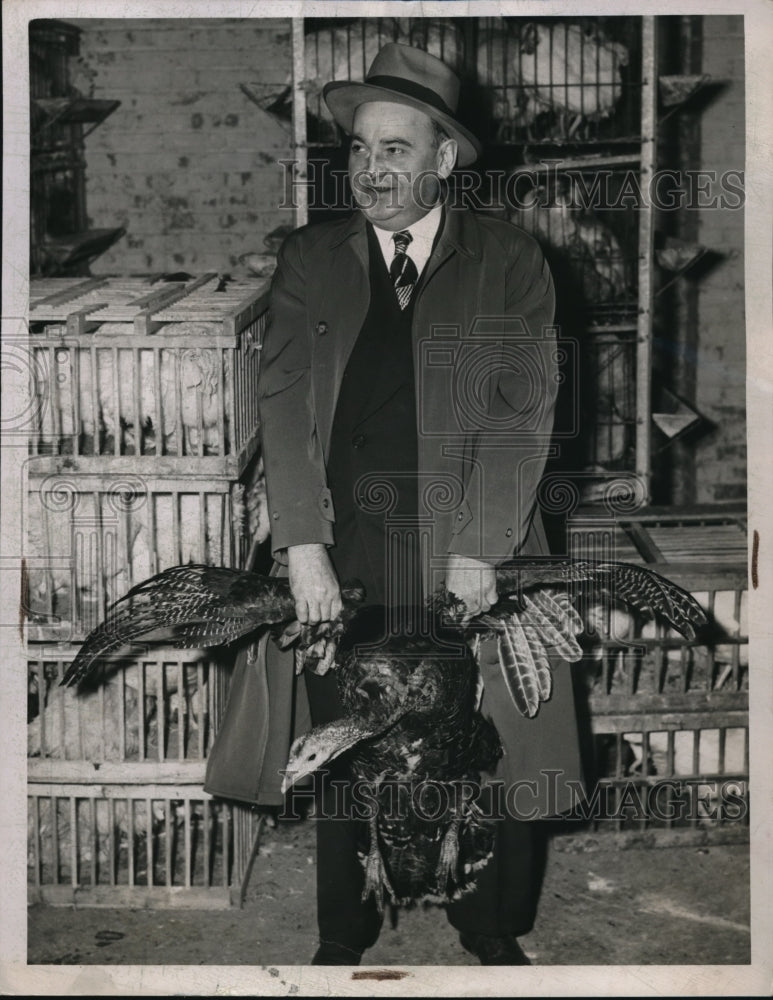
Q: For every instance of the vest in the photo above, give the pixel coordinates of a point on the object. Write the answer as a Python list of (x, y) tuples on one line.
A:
[(373, 458)]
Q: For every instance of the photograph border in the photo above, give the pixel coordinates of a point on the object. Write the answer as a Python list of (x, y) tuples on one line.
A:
[(16, 976)]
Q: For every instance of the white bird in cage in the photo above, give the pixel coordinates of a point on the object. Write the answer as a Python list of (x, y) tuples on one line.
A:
[(561, 222), (187, 380), (346, 51), (440, 38), (571, 69), (511, 105), (257, 505), (88, 727)]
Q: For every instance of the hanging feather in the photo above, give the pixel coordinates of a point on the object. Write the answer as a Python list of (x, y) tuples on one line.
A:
[(518, 667)]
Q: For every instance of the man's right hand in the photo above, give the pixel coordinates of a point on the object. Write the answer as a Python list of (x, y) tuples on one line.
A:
[(313, 583)]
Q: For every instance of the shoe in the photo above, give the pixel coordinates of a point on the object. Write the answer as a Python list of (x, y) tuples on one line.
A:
[(331, 953), (495, 950)]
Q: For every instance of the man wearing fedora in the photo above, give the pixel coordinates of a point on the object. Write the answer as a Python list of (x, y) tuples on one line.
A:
[(410, 356)]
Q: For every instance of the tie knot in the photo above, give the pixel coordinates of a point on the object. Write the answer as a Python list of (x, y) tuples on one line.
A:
[(402, 239)]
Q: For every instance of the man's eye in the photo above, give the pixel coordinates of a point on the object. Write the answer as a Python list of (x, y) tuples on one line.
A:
[(356, 148), (395, 150)]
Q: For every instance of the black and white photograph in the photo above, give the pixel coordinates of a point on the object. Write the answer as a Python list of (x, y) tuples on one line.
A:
[(387, 395)]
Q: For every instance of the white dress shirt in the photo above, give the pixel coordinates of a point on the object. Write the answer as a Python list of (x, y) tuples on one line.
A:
[(423, 232)]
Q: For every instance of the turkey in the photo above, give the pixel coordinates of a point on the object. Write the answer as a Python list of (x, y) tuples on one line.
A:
[(413, 725)]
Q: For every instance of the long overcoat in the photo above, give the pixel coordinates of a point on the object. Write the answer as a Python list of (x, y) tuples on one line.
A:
[(485, 365)]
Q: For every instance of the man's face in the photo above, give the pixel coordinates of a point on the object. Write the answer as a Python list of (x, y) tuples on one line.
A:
[(395, 163)]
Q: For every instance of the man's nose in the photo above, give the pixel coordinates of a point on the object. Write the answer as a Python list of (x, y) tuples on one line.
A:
[(374, 163)]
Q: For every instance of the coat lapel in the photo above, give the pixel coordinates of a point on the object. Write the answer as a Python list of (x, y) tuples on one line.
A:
[(341, 305)]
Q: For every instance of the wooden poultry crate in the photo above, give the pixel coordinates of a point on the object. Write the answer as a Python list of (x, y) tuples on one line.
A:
[(669, 716), (91, 536), (142, 375), (132, 841), (116, 812)]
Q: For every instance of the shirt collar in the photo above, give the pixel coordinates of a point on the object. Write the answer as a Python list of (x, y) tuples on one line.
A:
[(423, 232)]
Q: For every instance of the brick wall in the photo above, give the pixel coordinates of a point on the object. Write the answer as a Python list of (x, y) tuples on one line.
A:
[(720, 465), (188, 164)]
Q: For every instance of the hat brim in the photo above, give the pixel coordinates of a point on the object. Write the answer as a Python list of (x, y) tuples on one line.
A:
[(344, 97)]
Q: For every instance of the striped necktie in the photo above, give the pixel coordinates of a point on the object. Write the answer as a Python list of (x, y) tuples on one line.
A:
[(402, 270)]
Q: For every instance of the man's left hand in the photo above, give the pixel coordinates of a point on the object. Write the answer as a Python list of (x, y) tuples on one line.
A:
[(472, 581)]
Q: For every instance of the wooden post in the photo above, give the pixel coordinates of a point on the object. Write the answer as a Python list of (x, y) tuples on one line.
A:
[(649, 92), (300, 149)]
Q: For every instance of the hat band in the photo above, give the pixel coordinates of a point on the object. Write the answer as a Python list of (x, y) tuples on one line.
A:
[(411, 89)]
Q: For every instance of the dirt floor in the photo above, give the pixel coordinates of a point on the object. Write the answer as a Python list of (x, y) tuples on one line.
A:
[(606, 906)]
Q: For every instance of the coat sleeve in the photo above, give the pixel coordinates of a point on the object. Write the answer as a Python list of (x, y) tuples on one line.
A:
[(511, 449), (299, 502)]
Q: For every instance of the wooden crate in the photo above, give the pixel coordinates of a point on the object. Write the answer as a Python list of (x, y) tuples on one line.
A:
[(137, 842), (116, 813), (158, 372), (153, 705), (92, 536), (668, 716)]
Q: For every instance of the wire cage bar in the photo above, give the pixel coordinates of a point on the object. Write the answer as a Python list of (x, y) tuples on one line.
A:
[(539, 81), (587, 223), (560, 80)]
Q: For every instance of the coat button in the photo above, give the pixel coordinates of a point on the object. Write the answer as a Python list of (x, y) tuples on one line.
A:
[(358, 440), (326, 503), (321, 328), (509, 533), (460, 515)]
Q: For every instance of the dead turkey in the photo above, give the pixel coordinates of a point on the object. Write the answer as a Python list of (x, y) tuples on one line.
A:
[(412, 725)]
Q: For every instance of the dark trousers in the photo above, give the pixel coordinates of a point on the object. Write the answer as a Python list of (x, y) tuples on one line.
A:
[(504, 902)]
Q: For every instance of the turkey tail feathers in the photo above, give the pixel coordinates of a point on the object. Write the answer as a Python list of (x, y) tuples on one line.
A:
[(518, 667), (546, 623)]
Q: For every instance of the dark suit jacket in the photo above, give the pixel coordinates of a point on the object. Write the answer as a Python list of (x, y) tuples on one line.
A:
[(485, 371)]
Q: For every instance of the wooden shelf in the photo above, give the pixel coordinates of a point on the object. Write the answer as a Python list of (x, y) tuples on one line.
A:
[(69, 111)]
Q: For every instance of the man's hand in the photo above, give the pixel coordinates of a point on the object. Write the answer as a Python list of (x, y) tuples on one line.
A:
[(313, 583), (473, 581)]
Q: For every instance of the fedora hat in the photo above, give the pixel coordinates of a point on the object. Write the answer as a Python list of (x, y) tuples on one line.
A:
[(402, 74)]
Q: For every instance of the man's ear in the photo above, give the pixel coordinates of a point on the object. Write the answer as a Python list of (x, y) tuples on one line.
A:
[(446, 157)]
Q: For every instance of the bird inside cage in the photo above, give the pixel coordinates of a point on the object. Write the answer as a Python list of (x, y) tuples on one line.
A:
[(345, 52), (575, 238), (572, 70)]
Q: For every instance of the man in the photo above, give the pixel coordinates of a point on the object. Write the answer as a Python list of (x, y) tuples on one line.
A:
[(406, 393)]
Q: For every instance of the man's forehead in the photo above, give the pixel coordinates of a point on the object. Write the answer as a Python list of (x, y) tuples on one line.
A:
[(381, 116)]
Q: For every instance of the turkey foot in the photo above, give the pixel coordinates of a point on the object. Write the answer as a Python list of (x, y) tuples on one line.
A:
[(449, 849), (375, 873)]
